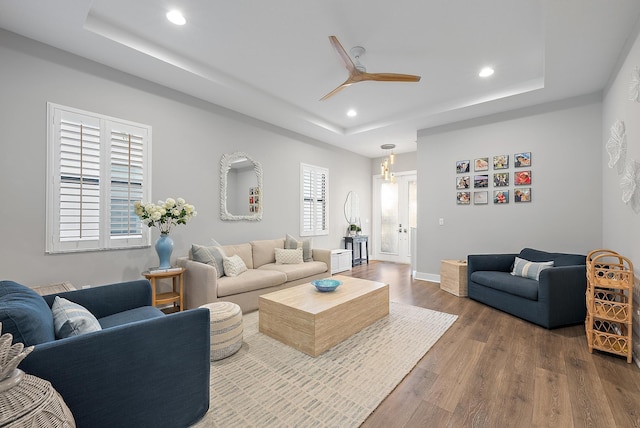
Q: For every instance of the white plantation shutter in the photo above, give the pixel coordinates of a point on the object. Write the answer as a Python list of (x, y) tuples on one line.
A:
[(97, 168), (127, 181), (314, 189)]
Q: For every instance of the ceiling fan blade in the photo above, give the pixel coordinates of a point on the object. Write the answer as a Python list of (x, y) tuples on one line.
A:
[(346, 59), (336, 90), (390, 77)]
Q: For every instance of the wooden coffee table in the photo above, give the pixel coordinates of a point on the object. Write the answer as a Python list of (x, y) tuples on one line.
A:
[(312, 322)]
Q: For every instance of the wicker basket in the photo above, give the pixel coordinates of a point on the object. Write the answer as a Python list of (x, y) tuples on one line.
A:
[(27, 401)]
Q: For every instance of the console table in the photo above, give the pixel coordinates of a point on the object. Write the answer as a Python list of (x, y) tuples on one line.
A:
[(359, 240)]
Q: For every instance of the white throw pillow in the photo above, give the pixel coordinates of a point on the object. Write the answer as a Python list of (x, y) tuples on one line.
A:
[(289, 257), (234, 266)]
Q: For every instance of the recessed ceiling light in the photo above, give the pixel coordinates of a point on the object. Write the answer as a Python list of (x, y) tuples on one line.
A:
[(352, 113), (486, 72), (176, 17)]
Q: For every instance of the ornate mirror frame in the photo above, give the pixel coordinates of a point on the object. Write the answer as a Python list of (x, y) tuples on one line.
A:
[(226, 162)]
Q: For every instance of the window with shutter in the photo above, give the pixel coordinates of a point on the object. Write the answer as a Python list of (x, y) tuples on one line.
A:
[(97, 168), (314, 191)]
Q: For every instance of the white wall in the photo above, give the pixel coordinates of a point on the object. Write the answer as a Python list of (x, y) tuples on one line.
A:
[(565, 214), (189, 139), (621, 225)]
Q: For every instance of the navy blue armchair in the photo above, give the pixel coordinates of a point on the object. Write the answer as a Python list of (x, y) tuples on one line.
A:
[(143, 369), (556, 299)]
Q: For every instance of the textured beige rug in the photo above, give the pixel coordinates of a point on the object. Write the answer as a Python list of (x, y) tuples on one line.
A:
[(269, 384)]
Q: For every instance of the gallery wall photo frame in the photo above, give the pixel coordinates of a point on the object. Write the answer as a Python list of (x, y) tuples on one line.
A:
[(501, 197), (522, 194), (462, 166), (463, 198), (522, 160), (481, 197), (480, 181), (522, 178), (501, 162), (481, 164), (463, 182), (500, 179)]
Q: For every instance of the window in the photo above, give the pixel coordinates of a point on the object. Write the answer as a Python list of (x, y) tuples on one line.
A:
[(314, 190), (97, 168)]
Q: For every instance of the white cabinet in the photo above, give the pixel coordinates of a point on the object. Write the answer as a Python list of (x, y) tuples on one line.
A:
[(340, 260)]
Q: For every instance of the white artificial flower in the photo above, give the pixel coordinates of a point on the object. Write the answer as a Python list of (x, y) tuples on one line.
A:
[(181, 201)]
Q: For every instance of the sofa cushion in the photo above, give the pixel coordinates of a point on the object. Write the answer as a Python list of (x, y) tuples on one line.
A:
[(132, 315), (299, 271), (212, 255), (288, 257), (252, 279), (504, 281), (234, 266), (264, 251), (242, 250), (25, 314), (292, 243), (559, 259), (528, 269), (71, 319)]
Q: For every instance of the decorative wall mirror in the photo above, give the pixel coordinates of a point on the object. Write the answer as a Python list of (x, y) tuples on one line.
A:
[(352, 208), (240, 187)]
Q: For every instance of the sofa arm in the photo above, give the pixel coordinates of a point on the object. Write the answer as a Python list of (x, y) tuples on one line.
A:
[(322, 255), (147, 373), (200, 283), (563, 289), (110, 299)]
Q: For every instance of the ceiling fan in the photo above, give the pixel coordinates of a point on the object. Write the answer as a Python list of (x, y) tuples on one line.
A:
[(357, 72)]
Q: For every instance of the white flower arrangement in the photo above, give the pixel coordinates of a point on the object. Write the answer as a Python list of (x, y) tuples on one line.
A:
[(165, 214)]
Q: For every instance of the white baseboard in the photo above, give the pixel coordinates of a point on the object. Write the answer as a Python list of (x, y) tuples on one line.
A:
[(431, 277)]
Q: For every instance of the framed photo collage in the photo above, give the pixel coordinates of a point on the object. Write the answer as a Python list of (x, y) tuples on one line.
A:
[(488, 180)]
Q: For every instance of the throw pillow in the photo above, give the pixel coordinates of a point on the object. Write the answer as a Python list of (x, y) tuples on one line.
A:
[(213, 255), (72, 319), (288, 257), (527, 269), (25, 314), (234, 266), (292, 243)]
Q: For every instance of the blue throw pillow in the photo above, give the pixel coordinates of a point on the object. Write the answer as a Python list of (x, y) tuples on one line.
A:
[(72, 319), (25, 314), (527, 269)]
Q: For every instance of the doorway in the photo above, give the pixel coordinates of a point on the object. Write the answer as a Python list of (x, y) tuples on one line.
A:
[(395, 211)]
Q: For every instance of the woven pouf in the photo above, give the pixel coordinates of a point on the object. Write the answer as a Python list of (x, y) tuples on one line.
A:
[(226, 329)]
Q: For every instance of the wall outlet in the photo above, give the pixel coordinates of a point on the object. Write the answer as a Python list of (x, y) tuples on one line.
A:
[(441, 221)]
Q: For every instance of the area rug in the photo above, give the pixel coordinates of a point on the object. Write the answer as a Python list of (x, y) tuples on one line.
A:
[(269, 384)]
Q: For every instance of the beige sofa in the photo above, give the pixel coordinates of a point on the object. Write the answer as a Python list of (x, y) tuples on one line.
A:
[(202, 286)]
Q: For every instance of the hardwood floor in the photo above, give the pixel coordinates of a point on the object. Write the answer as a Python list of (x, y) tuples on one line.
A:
[(494, 370)]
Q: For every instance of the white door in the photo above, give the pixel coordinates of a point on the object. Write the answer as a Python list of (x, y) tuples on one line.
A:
[(394, 214)]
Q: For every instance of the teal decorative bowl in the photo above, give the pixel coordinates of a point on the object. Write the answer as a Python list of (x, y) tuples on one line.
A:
[(325, 285)]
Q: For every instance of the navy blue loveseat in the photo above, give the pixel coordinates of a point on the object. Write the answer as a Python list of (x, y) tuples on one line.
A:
[(556, 299), (143, 369)]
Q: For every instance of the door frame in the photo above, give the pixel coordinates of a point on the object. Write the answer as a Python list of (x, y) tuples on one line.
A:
[(374, 239)]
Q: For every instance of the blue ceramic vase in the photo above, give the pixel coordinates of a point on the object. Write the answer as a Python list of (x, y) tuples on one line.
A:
[(164, 248)]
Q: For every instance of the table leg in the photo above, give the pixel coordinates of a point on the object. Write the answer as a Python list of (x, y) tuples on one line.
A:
[(153, 291)]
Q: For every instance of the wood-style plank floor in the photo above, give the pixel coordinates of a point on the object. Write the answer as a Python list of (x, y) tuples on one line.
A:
[(491, 369)]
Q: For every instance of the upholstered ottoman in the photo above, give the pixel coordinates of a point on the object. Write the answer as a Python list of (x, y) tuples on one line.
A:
[(226, 329)]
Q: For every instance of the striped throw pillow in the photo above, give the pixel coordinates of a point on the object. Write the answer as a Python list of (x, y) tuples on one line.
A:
[(527, 269), (72, 319)]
